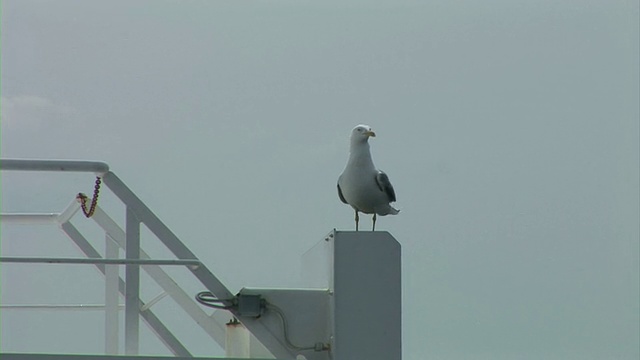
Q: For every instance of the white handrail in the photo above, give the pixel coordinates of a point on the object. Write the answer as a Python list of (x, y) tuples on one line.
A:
[(89, 261), (97, 167)]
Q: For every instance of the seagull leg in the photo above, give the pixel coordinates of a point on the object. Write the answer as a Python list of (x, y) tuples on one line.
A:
[(374, 221), (357, 219)]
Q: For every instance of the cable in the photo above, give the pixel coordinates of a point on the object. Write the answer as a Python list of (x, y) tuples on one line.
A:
[(206, 298), (285, 326)]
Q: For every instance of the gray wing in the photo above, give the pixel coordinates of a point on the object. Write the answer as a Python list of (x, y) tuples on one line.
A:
[(340, 195), (385, 185)]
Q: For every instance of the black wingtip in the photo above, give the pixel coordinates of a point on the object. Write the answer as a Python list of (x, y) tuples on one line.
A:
[(340, 195)]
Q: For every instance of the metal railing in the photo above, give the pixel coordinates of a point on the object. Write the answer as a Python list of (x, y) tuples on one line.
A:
[(128, 239)]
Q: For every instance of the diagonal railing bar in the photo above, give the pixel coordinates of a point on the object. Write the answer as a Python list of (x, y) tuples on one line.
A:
[(168, 339), (164, 234), (69, 211)]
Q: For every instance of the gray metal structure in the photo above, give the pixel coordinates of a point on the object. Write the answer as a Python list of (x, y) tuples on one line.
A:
[(351, 310), (362, 271)]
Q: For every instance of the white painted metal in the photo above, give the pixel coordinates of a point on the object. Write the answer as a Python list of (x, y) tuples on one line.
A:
[(132, 285), (362, 270), (154, 301), (214, 328), (60, 307), (69, 211), (33, 356), (111, 295), (317, 271), (306, 315), (203, 274), (256, 349), (343, 312), (54, 165), (158, 328), (168, 238), (19, 218), (37, 218), (134, 262), (237, 343)]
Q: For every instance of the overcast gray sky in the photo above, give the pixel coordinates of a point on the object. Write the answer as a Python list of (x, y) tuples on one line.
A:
[(510, 130)]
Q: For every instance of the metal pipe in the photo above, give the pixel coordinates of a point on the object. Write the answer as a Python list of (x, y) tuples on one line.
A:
[(42, 218), (153, 301), (97, 167), (32, 218), (64, 307), (111, 317), (69, 211), (44, 260), (132, 284)]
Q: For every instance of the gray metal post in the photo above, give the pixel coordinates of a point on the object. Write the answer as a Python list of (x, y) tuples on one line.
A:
[(362, 270), (132, 285)]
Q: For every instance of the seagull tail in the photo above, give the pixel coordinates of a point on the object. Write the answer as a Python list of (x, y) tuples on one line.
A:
[(386, 210)]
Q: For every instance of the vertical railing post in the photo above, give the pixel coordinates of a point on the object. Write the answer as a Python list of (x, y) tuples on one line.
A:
[(132, 285), (111, 297)]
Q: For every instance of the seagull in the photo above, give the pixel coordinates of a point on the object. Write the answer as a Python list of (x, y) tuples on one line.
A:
[(361, 185)]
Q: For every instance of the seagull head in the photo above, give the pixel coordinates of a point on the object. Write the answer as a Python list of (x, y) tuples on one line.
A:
[(361, 134)]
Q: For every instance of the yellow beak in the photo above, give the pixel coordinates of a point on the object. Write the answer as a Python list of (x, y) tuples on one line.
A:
[(370, 133)]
